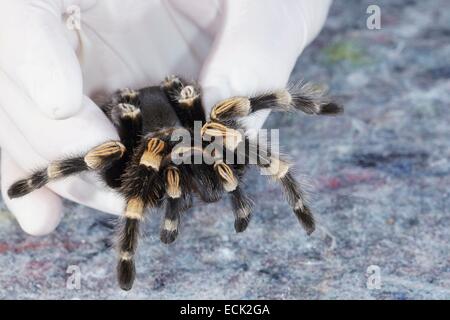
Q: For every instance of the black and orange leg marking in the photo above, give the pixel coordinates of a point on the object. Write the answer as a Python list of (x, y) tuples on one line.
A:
[(143, 187), (241, 204), (178, 200), (128, 120), (97, 159), (305, 98), (129, 235), (185, 99)]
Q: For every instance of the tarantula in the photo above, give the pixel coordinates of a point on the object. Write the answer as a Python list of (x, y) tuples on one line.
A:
[(151, 169)]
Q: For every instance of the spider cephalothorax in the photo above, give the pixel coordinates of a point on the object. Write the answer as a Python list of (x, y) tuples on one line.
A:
[(152, 169)]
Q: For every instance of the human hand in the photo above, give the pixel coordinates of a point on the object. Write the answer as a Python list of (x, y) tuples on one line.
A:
[(257, 47), (48, 72)]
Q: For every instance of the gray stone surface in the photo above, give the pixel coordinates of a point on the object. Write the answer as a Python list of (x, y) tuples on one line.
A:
[(380, 176)]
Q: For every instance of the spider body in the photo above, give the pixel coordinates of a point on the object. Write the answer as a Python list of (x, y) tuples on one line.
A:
[(151, 168)]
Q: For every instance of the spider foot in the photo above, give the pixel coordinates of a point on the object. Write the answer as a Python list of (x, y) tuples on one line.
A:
[(128, 94), (169, 231), (104, 154), (124, 111), (172, 83), (231, 108), (153, 154), (241, 224), (305, 217), (126, 273)]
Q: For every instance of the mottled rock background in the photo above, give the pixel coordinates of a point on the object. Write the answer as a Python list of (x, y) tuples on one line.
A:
[(381, 175)]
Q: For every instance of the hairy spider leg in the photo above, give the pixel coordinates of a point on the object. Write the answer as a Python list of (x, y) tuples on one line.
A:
[(98, 158), (300, 97), (178, 200), (274, 166), (179, 187), (185, 100), (171, 221), (230, 174), (212, 178), (242, 208), (143, 188)]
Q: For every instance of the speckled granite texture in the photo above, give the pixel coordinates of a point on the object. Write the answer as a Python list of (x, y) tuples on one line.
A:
[(381, 175)]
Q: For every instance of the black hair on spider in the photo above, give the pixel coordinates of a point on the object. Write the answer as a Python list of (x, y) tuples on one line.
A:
[(144, 165)]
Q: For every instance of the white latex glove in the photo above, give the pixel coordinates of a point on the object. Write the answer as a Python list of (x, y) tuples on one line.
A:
[(48, 71)]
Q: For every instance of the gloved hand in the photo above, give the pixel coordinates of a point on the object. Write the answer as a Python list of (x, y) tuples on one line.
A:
[(49, 69)]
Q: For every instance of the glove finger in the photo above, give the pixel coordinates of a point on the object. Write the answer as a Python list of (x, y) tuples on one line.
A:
[(37, 55), (38, 213), (253, 51), (39, 140)]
